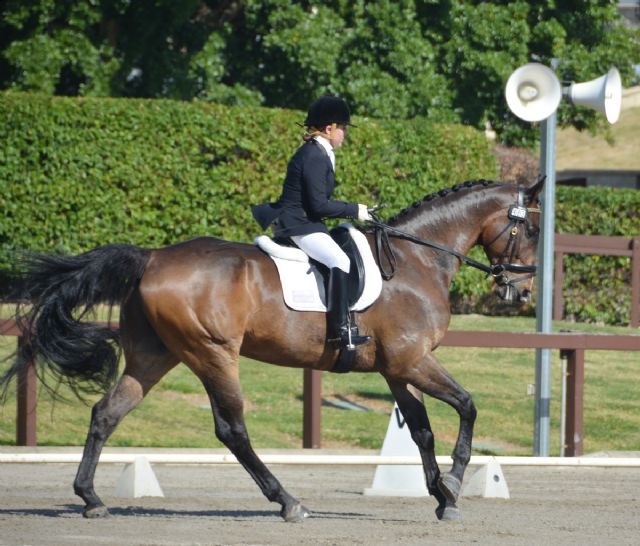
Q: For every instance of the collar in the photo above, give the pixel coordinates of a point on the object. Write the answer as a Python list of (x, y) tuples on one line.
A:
[(327, 147)]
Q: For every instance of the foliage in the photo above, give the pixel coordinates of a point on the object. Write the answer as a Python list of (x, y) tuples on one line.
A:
[(446, 61), (598, 211), (80, 172)]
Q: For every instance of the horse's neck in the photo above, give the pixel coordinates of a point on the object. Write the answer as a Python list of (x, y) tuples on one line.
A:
[(452, 221)]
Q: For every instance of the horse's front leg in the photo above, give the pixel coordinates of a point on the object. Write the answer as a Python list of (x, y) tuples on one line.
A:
[(442, 386), (430, 378), (415, 415)]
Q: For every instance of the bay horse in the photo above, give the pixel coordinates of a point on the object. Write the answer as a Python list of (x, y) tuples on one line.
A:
[(206, 301)]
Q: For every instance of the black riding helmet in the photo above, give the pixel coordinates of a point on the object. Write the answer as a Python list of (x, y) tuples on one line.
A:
[(327, 110)]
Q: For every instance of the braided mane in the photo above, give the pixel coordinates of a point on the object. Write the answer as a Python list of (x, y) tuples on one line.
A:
[(441, 193)]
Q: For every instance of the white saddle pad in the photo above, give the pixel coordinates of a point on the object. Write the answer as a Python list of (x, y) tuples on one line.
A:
[(302, 283)]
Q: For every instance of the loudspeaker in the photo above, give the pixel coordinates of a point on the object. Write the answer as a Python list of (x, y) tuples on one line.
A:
[(533, 92), (603, 94)]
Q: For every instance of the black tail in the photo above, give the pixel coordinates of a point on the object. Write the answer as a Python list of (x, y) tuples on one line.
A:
[(54, 294)]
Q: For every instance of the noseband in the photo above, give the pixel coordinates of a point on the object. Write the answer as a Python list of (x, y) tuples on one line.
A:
[(518, 215)]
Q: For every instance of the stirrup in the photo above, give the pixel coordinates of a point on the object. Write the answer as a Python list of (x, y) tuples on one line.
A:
[(350, 340)]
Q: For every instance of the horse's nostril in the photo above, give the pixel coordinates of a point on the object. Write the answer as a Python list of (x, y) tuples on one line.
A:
[(502, 292)]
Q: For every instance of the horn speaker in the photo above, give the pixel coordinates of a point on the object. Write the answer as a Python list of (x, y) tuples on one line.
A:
[(533, 92), (603, 94)]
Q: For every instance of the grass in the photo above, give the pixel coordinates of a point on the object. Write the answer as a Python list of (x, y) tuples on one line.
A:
[(581, 150), (176, 413)]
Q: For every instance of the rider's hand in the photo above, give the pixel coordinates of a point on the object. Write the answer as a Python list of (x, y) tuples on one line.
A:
[(363, 213)]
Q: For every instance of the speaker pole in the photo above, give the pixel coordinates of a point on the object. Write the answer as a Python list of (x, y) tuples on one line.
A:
[(533, 93), (544, 301)]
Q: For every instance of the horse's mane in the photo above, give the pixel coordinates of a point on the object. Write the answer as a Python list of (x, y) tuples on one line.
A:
[(438, 194)]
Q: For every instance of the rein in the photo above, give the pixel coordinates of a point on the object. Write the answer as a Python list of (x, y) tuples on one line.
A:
[(383, 247)]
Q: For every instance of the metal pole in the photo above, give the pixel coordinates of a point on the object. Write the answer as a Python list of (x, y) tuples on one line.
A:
[(544, 301)]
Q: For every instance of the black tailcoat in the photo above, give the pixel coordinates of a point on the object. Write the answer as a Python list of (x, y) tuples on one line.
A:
[(306, 196)]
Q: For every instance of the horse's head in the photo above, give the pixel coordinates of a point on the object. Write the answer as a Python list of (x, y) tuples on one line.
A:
[(510, 240)]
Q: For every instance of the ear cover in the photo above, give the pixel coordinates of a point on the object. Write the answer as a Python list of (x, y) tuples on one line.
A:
[(532, 193)]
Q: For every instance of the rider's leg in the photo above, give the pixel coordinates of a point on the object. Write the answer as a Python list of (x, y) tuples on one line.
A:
[(321, 247)]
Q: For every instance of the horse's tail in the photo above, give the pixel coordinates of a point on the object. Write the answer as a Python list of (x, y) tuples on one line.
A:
[(54, 293)]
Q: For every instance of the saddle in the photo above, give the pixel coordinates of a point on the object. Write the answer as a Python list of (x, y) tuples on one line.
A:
[(304, 280)]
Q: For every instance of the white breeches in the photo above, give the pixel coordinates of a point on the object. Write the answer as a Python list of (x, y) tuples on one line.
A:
[(321, 247)]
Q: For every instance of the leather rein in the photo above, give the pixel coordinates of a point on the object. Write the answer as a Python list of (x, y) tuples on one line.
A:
[(518, 216)]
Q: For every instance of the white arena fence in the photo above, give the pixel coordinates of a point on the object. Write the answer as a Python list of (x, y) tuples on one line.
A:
[(313, 459)]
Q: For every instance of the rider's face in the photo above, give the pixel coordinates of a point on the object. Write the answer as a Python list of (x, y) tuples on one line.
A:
[(336, 134)]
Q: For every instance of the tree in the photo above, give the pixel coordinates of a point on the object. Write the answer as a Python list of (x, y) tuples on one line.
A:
[(446, 60)]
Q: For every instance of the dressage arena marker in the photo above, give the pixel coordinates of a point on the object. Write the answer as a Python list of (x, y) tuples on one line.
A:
[(395, 480), (409, 480), (488, 482), (138, 480)]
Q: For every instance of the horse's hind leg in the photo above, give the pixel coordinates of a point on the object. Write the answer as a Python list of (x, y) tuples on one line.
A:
[(105, 417), (147, 361), (221, 381)]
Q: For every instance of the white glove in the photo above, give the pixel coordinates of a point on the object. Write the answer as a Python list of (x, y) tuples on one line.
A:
[(363, 214)]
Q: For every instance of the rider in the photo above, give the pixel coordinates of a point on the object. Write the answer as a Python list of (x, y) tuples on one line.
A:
[(306, 200)]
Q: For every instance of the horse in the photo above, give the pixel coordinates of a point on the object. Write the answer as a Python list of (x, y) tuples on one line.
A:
[(206, 301)]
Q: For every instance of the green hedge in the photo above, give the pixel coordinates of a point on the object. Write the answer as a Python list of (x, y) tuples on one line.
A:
[(76, 173), (598, 288)]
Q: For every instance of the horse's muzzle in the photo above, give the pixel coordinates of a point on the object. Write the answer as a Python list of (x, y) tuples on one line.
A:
[(510, 293)]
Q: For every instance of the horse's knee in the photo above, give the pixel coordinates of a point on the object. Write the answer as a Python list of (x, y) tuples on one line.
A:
[(468, 408), (234, 438), (424, 439)]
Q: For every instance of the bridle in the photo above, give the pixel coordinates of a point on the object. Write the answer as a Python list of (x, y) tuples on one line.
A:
[(518, 215)]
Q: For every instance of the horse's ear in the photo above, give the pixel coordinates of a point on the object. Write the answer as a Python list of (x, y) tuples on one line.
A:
[(533, 192)]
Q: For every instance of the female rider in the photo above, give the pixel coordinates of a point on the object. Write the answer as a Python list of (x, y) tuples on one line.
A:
[(306, 200)]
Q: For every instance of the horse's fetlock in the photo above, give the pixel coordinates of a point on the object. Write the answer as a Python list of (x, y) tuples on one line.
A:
[(274, 494)]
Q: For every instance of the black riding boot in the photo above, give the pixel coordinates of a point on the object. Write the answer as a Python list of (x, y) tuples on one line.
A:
[(338, 312)]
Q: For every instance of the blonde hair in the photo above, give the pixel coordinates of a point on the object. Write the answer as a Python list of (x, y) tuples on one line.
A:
[(313, 131)]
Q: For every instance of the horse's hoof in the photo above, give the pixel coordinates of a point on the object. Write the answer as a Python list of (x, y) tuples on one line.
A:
[(296, 514), (448, 513), (449, 486), (100, 511)]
